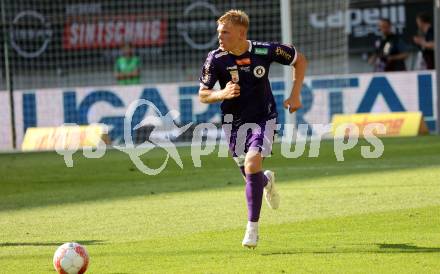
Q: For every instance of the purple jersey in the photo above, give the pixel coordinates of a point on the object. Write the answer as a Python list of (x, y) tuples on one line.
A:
[(250, 70)]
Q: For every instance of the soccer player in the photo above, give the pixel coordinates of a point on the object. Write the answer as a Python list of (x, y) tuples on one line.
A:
[(242, 67)]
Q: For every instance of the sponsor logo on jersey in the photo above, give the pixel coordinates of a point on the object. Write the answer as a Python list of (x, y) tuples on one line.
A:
[(261, 51), (255, 43), (283, 53), (245, 69), (234, 75), (259, 71), (243, 62)]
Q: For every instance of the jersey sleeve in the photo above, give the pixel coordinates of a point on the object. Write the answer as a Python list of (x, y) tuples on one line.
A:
[(283, 54), (208, 76)]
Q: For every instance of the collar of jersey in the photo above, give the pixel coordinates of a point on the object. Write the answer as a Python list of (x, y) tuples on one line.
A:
[(249, 49)]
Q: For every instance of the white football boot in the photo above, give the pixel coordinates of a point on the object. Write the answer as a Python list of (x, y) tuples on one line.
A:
[(270, 193), (250, 239)]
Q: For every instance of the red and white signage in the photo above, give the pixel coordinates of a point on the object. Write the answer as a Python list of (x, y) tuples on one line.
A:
[(114, 31)]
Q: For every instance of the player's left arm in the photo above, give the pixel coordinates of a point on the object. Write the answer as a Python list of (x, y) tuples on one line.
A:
[(288, 55), (293, 102)]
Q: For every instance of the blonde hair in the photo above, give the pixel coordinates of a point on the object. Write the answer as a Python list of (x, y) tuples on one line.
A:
[(235, 17)]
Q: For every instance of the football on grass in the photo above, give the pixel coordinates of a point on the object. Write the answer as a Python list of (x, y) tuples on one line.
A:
[(71, 258)]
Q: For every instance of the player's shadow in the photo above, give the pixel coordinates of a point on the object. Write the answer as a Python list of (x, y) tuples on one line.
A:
[(408, 248), (85, 242), (378, 248)]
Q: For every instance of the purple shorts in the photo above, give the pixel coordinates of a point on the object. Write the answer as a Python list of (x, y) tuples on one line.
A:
[(251, 136)]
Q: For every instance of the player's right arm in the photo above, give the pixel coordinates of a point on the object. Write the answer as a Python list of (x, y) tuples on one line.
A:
[(209, 96), (208, 78)]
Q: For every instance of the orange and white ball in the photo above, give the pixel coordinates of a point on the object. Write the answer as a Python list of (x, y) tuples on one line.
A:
[(71, 258)]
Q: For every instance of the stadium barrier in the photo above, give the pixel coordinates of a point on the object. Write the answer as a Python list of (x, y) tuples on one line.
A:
[(322, 97), (64, 137), (396, 124)]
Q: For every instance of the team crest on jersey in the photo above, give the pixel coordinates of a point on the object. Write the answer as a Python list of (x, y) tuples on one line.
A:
[(259, 71)]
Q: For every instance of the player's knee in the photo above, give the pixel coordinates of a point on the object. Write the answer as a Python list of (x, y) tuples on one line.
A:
[(252, 166)]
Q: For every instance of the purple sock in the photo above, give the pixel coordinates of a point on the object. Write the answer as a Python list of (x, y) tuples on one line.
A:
[(265, 180), (254, 194)]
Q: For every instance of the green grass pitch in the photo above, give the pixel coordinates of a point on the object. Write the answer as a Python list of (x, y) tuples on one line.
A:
[(357, 216)]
